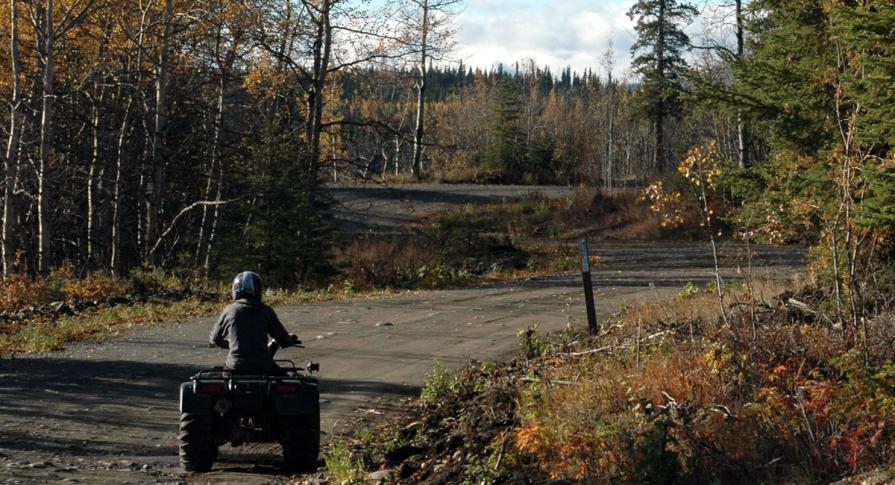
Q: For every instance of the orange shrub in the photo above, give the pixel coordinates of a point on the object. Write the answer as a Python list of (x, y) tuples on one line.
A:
[(64, 284), (19, 291), (94, 287)]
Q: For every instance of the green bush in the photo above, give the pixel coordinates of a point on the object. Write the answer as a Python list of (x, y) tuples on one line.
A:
[(145, 281), (531, 342), (689, 291), (439, 384)]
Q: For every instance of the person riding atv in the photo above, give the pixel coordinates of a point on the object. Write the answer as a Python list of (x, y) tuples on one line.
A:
[(244, 325), (252, 399)]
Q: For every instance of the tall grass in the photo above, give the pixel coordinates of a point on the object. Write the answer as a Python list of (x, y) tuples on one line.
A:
[(676, 395)]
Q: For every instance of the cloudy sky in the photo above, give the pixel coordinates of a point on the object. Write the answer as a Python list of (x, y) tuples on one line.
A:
[(556, 33)]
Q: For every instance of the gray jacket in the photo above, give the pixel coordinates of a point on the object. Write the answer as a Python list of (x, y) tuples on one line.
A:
[(243, 327)]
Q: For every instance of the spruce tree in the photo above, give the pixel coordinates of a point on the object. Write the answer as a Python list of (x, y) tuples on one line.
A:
[(502, 161), (287, 231), (868, 35), (787, 85), (658, 58)]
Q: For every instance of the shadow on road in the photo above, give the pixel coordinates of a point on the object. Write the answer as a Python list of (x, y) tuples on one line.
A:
[(414, 195), (373, 388), (141, 397), (77, 379), (40, 392)]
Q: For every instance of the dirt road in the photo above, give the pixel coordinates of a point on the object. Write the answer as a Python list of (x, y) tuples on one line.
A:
[(107, 411), (386, 208)]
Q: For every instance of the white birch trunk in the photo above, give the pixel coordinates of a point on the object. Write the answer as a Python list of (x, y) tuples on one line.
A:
[(421, 95), (214, 220), (156, 182), (741, 124), (46, 133), (659, 156), (10, 161), (91, 178), (316, 98), (115, 257), (215, 141)]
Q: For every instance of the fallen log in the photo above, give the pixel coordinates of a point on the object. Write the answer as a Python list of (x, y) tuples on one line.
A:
[(800, 307)]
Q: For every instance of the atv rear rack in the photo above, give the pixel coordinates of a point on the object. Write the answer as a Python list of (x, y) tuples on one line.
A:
[(218, 372)]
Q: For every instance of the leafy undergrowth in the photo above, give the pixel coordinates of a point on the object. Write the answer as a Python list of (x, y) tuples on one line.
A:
[(48, 334), (46, 314), (668, 393), (625, 215), (432, 261)]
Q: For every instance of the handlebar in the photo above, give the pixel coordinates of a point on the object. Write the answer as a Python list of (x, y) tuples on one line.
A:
[(273, 346)]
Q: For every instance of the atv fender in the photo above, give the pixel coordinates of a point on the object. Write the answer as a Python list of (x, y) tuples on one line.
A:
[(304, 402), (192, 403)]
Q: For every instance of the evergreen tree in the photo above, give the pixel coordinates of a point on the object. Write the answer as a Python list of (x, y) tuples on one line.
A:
[(788, 82), (539, 161), (661, 43), (869, 30), (287, 231), (503, 158)]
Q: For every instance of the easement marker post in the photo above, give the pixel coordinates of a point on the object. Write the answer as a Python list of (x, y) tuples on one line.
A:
[(588, 288)]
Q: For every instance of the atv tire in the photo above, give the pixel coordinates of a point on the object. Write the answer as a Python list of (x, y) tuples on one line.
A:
[(197, 447), (301, 442)]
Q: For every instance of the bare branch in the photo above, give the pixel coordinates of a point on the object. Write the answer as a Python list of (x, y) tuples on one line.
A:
[(182, 213)]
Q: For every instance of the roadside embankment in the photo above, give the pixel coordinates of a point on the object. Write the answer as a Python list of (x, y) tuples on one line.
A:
[(671, 390)]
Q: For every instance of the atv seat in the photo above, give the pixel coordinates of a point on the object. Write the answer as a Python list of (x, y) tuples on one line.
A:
[(276, 371)]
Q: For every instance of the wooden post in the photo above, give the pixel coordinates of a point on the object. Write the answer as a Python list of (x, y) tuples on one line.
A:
[(588, 288)]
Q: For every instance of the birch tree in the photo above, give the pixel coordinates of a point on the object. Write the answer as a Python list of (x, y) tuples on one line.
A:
[(608, 64), (227, 27), (128, 86), (160, 119), (742, 149), (46, 51), (427, 36), (10, 160)]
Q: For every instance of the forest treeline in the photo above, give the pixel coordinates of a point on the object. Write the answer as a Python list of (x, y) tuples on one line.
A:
[(513, 124), (202, 135), (510, 124)]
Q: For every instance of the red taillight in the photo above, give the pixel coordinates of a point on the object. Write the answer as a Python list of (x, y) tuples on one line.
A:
[(210, 387), (285, 388)]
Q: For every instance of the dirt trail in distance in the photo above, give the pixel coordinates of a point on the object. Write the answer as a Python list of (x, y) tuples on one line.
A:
[(384, 209)]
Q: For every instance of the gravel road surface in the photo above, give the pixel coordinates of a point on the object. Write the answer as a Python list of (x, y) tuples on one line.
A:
[(385, 208), (106, 412)]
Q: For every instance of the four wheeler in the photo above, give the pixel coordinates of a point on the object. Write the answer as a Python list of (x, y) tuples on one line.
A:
[(219, 406)]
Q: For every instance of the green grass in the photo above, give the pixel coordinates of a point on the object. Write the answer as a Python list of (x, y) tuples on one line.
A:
[(342, 466), (43, 334), (47, 335)]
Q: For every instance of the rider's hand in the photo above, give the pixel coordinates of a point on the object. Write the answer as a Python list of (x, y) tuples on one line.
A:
[(294, 339)]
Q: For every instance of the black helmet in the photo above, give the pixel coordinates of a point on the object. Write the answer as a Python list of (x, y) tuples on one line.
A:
[(247, 285)]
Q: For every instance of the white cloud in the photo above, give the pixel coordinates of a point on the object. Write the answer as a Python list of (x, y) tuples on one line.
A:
[(556, 33), (560, 33)]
